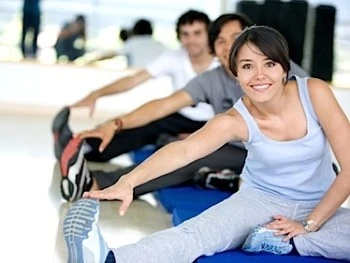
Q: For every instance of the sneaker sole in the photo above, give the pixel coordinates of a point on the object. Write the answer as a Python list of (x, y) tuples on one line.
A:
[(73, 166), (77, 225), (60, 120)]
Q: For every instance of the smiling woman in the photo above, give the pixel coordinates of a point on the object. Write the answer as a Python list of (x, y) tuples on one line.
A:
[(290, 197)]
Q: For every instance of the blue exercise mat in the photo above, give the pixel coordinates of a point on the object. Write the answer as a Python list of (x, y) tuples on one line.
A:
[(181, 214), (141, 154), (238, 256), (188, 197)]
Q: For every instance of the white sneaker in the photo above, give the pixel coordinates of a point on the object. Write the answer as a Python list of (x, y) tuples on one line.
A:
[(81, 232)]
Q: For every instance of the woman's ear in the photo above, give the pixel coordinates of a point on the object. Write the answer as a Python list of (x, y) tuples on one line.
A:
[(285, 78)]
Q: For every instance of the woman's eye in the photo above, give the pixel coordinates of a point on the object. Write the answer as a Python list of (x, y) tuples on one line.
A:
[(270, 64), (246, 66)]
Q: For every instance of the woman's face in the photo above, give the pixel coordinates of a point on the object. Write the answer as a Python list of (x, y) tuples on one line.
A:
[(260, 77)]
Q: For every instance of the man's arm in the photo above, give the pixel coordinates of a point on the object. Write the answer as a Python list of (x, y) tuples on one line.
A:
[(123, 84), (143, 115), (99, 55), (117, 86), (160, 66), (156, 109)]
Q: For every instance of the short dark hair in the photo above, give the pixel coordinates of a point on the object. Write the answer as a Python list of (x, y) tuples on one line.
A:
[(270, 42), (189, 17), (142, 27), (80, 18), (124, 34), (217, 25)]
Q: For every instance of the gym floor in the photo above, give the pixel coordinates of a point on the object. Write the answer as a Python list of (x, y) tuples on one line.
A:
[(31, 221)]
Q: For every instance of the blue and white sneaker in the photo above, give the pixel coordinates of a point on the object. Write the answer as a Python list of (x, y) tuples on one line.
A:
[(82, 234), (76, 178), (262, 239)]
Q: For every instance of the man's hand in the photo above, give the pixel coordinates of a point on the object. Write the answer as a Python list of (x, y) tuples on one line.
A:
[(104, 131), (287, 227), (89, 101), (121, 190)]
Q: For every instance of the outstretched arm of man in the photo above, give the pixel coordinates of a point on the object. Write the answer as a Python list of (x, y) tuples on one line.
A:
[(143, 115), (117, 86)]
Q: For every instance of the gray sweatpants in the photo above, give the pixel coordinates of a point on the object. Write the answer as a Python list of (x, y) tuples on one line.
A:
[(227, 224)]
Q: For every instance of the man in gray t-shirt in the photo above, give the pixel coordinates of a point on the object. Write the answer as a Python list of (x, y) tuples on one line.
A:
[(218, 87)]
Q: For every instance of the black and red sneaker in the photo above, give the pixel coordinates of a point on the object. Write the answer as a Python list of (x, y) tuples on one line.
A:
[(75, 174), (61, 131)]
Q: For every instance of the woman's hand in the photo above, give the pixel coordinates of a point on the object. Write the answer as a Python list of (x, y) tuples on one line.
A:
[(287, 227), (105, 132), (121, 190)]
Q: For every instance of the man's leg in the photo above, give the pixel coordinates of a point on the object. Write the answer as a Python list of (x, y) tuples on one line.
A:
[(76, 178), (131, 139), (227, 156), (36, 30), (25, 27)]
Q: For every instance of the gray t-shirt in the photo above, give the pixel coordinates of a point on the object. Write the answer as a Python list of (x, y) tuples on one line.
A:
[(215, 87)]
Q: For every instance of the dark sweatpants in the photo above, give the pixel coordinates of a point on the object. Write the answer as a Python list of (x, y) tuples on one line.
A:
[(228, 156), (132, 139)]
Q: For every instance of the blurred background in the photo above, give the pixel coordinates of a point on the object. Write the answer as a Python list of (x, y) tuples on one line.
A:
[(104, 20)]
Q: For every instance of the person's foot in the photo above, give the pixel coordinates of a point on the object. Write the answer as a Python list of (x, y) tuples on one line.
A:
[(76, 178), (262, 239), (225, 180), (61, 132), (82, 234)]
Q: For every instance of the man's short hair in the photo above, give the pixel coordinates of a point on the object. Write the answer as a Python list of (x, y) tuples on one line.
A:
[(142, 27), (189, 17), (217, 25)]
